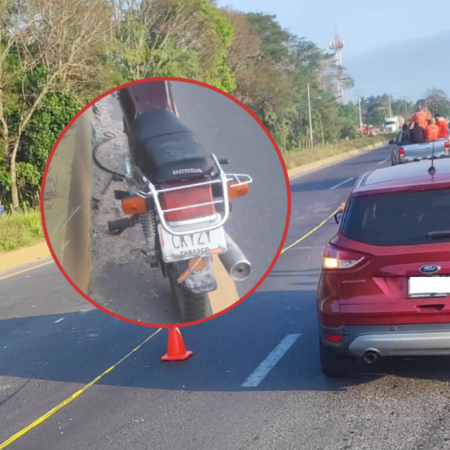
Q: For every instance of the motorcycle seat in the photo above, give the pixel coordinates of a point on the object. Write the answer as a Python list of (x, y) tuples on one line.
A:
[(165, 149)]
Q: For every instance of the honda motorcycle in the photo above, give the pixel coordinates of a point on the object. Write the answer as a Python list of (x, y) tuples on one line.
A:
[(180, 195)]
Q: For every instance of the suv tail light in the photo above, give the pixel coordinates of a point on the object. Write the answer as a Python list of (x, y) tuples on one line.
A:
[(401, 152), (337, 259), (184, 198), (447, 147)]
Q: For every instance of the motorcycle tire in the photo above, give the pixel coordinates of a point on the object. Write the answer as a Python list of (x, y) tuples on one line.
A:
[(190, 307)]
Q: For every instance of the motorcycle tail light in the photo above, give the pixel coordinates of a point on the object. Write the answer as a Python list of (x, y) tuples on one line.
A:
[(237, 190), (186, 199), (134, 205), (337, 259)]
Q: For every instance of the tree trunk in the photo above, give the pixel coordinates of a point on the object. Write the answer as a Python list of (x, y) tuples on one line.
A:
[(12, 169)]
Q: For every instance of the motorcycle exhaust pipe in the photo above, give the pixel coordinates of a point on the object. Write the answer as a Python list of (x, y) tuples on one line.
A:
[(234, 261)]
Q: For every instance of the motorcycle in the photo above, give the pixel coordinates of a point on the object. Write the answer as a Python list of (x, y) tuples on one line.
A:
[(180, 195)]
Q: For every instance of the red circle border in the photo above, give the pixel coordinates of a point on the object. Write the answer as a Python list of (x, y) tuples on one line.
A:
[(288, 215)]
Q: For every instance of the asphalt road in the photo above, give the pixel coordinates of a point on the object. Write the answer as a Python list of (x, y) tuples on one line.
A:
[(200, 403), (121, 280)]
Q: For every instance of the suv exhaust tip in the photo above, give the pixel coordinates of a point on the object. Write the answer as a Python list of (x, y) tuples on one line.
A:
[(371, 357), (235, 261)]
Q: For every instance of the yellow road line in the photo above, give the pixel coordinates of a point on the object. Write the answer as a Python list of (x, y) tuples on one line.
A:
[(70, 399), (309, 233), (26, 270)]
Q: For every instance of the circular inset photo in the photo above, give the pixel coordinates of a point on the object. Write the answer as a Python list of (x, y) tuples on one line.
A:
[(165, 202)]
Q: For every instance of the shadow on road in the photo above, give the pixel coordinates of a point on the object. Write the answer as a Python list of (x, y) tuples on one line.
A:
[(226, 350)]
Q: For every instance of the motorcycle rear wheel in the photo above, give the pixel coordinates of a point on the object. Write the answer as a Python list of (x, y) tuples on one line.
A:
[(190, 307)]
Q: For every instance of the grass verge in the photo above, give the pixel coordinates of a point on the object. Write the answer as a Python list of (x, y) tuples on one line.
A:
[(20, 230), (301, 157)]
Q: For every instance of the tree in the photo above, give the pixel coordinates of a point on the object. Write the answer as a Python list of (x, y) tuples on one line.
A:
[(48, 45), (185, 38), (275, 40), (437, 101)]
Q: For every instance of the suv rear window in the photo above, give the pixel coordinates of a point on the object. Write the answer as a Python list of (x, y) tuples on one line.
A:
[(399, 218)]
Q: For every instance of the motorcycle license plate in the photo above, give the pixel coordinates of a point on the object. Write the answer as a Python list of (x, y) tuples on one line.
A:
[(429, 287), (178, 248)]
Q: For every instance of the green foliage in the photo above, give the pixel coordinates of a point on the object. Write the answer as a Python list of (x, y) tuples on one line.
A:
[(349, 116), (20, 230), (5, 184), (438, 102), (58, 109), (274, 39), (249, 55)]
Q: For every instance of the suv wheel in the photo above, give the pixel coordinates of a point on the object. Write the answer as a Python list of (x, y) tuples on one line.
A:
[(335, 365)]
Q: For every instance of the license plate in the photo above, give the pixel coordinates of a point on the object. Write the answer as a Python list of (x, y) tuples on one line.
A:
[(429, 287), (178, 248)]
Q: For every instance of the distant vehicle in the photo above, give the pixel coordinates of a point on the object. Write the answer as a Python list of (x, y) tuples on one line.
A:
[(391, 124), (404, 153), (370, 130), (384, 289)]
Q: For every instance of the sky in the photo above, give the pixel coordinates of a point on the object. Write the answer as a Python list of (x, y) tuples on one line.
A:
[(364, 28)]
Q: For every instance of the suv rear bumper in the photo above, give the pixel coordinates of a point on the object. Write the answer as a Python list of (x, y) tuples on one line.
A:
[(402, 340)]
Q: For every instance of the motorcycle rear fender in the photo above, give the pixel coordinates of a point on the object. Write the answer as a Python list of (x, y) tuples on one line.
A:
[(197, 282)]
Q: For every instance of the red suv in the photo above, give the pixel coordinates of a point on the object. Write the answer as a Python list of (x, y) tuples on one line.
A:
[(385, 283)]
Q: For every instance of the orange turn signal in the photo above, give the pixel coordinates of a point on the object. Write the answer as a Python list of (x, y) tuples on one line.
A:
[(237, 190), (134, 205)]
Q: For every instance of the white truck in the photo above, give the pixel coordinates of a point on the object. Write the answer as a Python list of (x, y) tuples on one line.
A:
[(392, 124)]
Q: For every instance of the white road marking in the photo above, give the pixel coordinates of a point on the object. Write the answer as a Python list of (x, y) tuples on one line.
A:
[(385, 161), (271, 361), (309, 248), (343, 182), (59, 320)]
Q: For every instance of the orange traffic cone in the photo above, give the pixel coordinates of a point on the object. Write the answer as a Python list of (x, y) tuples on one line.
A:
[(176, 351)]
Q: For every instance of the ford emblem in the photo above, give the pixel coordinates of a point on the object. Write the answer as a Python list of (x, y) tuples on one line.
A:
[(430, 269)]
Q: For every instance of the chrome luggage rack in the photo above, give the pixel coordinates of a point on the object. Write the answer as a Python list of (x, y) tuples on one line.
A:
[(151, 191)]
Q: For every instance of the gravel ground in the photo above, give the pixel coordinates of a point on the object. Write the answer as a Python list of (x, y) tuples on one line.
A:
[(119, 268)]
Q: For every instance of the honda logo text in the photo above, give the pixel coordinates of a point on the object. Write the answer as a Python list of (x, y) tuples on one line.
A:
[(181, 171)]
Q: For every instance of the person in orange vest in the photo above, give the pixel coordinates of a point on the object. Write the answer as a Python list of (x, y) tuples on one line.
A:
[(432, 131), (443, 127), (421, 116)]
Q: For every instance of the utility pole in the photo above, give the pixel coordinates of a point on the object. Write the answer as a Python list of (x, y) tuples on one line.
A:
[(360, 113), (390, 97), (311, 139)]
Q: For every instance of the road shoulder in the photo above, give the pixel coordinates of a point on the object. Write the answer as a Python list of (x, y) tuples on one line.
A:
[(23, 256), (326, 162)]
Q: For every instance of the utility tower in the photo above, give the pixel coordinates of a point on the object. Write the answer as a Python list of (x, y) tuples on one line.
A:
[(337, 46)]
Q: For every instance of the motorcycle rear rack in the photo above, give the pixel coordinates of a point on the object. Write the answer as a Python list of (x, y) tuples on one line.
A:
[(224, 178)]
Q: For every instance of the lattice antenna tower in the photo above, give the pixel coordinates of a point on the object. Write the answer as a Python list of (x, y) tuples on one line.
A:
[(338, 46)]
